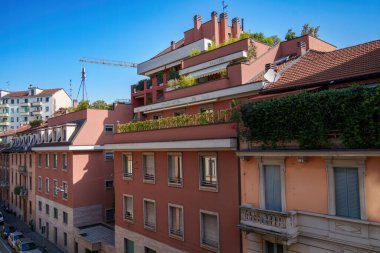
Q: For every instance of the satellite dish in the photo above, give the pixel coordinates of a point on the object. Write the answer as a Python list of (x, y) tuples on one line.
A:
[(271, 76)]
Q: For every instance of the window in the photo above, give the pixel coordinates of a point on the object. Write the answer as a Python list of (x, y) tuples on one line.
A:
[(157, 116), (149, 250), (128, 207), (55, 187), (64, 161), (30, 160), (209, 230), (39, 223), (47, 209), (148, 168), (176, 221), (39, 183), (273, 247), (110, 215), (175, 169), (76, 247), (347, 200), (272, 185), (108, 184), (39, 206), (55, 235), (65, 239), (30, 183), (55, 160), (65, 190), (46, 108), (108, 156), (108, 128), (47, 160), (65, 217), (129, 246), (179, 113), (150, 214), (206, 109), (208, 171), (47, 99), (127, 166), (55, 213), (47, 185)]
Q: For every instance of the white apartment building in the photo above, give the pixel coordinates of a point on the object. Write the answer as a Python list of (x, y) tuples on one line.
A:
[(17, 108)]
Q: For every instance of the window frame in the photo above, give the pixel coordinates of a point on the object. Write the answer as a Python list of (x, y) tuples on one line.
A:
[(47, 160), (55, 161), (39, 183), (179, 181), (202, 185), (146, 176), (47, 185), (64, 161), (107, 126), (201, 232), (109, 156), (129, 218), (127, 175), (147, 226), (174, 235), (65, 191)]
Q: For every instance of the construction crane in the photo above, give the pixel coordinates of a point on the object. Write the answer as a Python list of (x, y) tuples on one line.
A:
[(109, 62)]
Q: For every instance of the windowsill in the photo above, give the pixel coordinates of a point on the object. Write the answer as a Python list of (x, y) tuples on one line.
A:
[(150, 228), (148, 181), (128, 178), (175, 185), (208, 188), (205, 246), (131, 221), (177, 237)]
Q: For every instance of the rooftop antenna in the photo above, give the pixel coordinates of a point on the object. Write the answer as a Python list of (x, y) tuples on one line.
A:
[(83, 84), (224, 6), (71, 90), (7, 85)]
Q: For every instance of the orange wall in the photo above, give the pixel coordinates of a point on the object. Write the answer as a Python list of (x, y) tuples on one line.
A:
[(372, 181), (250, 189)]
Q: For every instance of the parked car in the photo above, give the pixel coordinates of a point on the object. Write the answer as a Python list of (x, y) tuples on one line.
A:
[(1, 218), (26, 245), (13, 237), (6, 230)]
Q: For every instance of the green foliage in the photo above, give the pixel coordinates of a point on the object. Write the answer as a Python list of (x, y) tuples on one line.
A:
[(173, 74), (187, 81), (251, 52), (85, 104), (183, 120), (309, 117), (101, 104), (82, 105), (290, 35), (35, 123), (17, 190), (309, 30), (195, 52), (160, 77), (271, 40)]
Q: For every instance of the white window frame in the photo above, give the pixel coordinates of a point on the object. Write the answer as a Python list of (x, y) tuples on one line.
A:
[(278, 161), (127, 175), (145, 214), (47, 185), (128, 217), (47, 160), (39, 160), (65, 191), (55, 187), (202, 185), (39, 183), (171, 234), (55, 161), (64, 161), (179, 181), (107, 126), (201, 232), (145, 178), (352, 162), (108, 156)]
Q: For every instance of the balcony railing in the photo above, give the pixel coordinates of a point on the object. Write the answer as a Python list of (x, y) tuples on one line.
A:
[(4, 114), (175, 180), (184, 120), (4, 123), (4, 105), (271, 221), (23, 192), (36, 112), (176, 232), (128, 216), (149, 177), (127, 174), (25, 104), (150, 224), (37, 104), (24, 113)]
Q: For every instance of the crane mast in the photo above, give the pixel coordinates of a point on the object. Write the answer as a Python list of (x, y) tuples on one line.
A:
[(109, 62)]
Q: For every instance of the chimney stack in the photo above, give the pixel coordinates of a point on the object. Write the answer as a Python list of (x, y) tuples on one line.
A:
[(197, 27), (302, 47), (172, 45), (236, 28), (75, 103), (223, 27)]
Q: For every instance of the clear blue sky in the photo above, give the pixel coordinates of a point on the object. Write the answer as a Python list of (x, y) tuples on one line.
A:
[(41, 41)]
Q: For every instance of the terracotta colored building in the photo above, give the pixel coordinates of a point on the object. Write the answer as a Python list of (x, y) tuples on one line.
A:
[(314, 200), (177, 173)]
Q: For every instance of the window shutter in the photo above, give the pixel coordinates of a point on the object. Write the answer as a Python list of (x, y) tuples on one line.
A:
[(210, 228), (149, 164), (150, 213), (272, 182)]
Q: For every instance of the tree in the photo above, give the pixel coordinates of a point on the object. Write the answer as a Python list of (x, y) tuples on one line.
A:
[(290, 35), (309, 30), (84, 104), (100, 104)]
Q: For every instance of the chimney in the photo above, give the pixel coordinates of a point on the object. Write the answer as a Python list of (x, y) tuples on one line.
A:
[(223, 27), (269, 66), (302, 47), (172, 45), (197, 27), (215, 26), (75, 103), (236, 28)]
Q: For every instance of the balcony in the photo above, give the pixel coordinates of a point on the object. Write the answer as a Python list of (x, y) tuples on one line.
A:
[(4, 114), (4, 123), (36, 113), (24, 113), (4, 105), (280, 224), (24, 104), (37, 104)]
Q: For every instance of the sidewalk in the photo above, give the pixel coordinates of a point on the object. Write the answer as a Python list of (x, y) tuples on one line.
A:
[(36, 237)]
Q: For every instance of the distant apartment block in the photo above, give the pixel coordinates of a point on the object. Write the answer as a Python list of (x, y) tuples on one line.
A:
[(17, 108)]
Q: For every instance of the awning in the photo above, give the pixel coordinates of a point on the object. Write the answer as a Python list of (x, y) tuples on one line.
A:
[(209, 71)]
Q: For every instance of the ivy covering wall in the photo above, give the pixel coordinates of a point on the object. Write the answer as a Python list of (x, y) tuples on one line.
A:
[(353, 113)]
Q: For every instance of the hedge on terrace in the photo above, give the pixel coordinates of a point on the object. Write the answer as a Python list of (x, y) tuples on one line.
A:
[(309, 117)]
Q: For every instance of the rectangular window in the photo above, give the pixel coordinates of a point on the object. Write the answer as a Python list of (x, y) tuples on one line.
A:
[(148, 168), (55, 187), (55, 160), (47, 185), (149, 250), (39, 223), (39, 206), (47, 99), (30, 160), (128, 207), (65, 239), (110, 215), (272, 187), (65, 190), (208, 171), (46, 108), (206, 109), (64, 161), (55, 213), (175, 169), (273, 247), (127, 166), (47, 160), (176, 221), (39, 183), (55, 235), (108, 156), (108, 184), (47, 209), (209, 231), (65, 217), (129, 246), (150, 214), (30, 183), (108, 128), (347, 197)]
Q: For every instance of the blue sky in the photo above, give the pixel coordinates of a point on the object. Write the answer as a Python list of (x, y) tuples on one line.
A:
[(41, 41)]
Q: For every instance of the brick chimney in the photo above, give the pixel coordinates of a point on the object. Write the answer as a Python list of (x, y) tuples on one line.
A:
[(236, 28), (75, 103), (215, 26), (172, 45), (223, 27), (197, 27), (301, 45)]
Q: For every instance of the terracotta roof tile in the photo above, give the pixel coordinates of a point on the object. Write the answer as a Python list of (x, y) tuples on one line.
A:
[(24, 93), (15, 131), (322, 67)]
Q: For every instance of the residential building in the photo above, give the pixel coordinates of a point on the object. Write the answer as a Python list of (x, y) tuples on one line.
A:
[(176, 172), (17, 108), (297, 199)]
